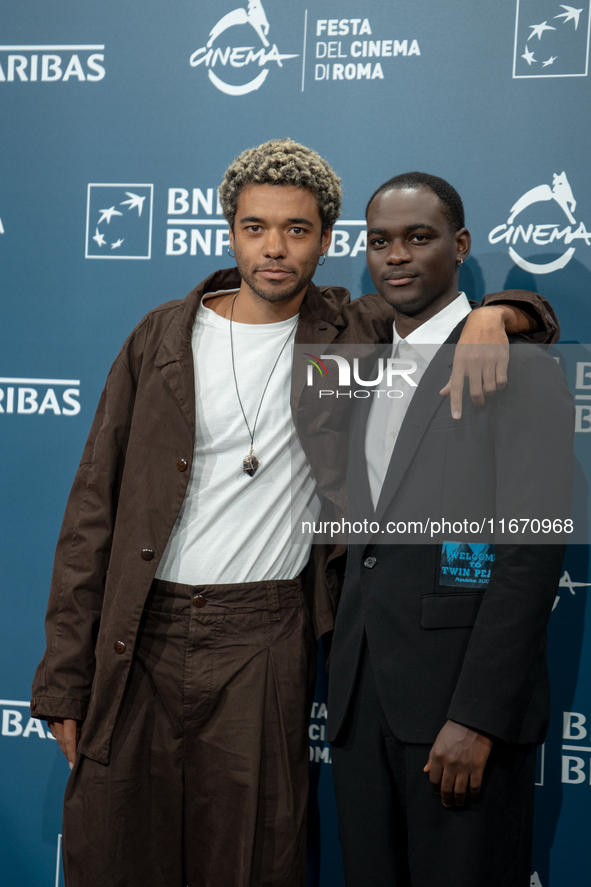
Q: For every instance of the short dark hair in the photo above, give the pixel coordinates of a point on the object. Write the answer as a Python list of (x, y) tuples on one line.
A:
[(452, 205)]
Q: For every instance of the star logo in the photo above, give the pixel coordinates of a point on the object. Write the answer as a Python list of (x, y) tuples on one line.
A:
[(538, 30), (107, 215), (134, 202), (121, 218), (563, 33), (571, 14)]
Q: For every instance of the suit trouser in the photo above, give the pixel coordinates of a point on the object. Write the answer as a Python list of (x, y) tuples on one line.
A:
[(394, 830), (207, 779)]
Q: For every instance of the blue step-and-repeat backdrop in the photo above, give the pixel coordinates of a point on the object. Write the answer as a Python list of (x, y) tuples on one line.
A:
[(117, 123)]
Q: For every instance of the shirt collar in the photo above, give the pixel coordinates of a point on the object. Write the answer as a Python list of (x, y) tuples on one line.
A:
[(438, 328)]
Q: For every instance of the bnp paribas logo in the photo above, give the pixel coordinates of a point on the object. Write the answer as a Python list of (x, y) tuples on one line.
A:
[(119, 221), (238, 54), (551, 39), (542, 223)]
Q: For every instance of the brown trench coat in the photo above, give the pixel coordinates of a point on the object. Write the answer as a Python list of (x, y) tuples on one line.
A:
[(131, 483)]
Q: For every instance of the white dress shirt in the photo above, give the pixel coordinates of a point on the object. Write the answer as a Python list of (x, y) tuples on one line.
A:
[(387, 412)]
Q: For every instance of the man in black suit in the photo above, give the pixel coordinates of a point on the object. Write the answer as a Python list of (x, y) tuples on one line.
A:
[(438, 676)]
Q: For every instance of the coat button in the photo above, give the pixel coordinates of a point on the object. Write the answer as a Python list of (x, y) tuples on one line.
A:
[(119, 647), (199, 600), (147, 554), (182, 465), (370, 562)]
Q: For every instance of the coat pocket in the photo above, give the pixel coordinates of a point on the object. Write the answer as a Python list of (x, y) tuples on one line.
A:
[(450, 610)]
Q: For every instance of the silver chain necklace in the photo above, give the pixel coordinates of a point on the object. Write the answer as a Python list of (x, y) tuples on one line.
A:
[(250, 463)]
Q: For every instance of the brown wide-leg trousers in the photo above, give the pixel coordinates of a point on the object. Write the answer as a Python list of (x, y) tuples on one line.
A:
[(207, 780)]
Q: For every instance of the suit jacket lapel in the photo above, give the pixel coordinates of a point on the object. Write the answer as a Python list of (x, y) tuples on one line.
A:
[(422, 407), (359, 501)]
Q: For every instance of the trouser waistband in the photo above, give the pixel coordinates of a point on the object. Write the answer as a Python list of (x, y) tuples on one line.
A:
[(271, 595)]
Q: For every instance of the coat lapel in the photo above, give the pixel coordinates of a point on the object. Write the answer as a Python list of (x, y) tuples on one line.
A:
[(175, 354), (319, 323)]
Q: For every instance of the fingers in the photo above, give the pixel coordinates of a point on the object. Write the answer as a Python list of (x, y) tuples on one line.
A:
[(501, 369), (57, 730), (475, 783), (489, 378), (455, 389), (65, 730), (486, 369), (446, 789), (435, 774), (70, 736), (446, 388), (454, 785), (475, 374), (457, 761), (460, 789)]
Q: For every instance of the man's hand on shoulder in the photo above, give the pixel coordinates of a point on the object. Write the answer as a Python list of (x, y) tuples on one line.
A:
[(65, 730), (482, 354), (456, 763)]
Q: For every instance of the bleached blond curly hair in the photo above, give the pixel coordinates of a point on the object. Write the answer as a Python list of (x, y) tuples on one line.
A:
[(283, 162)]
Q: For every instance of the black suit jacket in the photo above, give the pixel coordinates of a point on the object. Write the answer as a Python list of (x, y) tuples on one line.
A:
[(475, 655)]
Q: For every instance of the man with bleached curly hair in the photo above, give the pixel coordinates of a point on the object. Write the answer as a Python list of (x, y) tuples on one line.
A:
[(181, 623), (283, 162)]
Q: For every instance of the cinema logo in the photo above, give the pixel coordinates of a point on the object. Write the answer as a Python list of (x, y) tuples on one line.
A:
[(542, 235), (52, 63), (236, 62), (41, 397), (385, 369), (567, 582)]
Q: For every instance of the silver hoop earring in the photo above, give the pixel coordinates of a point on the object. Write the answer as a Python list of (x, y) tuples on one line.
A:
[(460, 263), (230, 253), (323, 260)]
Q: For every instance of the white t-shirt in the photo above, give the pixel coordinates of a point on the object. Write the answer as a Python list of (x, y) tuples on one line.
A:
[(233, 527)]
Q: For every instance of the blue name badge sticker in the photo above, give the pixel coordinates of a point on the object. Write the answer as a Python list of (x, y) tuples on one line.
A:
[(464, 565)]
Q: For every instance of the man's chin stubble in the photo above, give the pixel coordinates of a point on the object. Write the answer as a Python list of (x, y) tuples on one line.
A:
[(282, 295)]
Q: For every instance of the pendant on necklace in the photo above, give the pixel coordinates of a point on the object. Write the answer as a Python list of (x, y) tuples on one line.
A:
[(250, 463)]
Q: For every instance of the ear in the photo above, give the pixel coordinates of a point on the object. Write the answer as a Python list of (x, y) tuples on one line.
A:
[(231, 236), (463, 244), (325, 240)]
